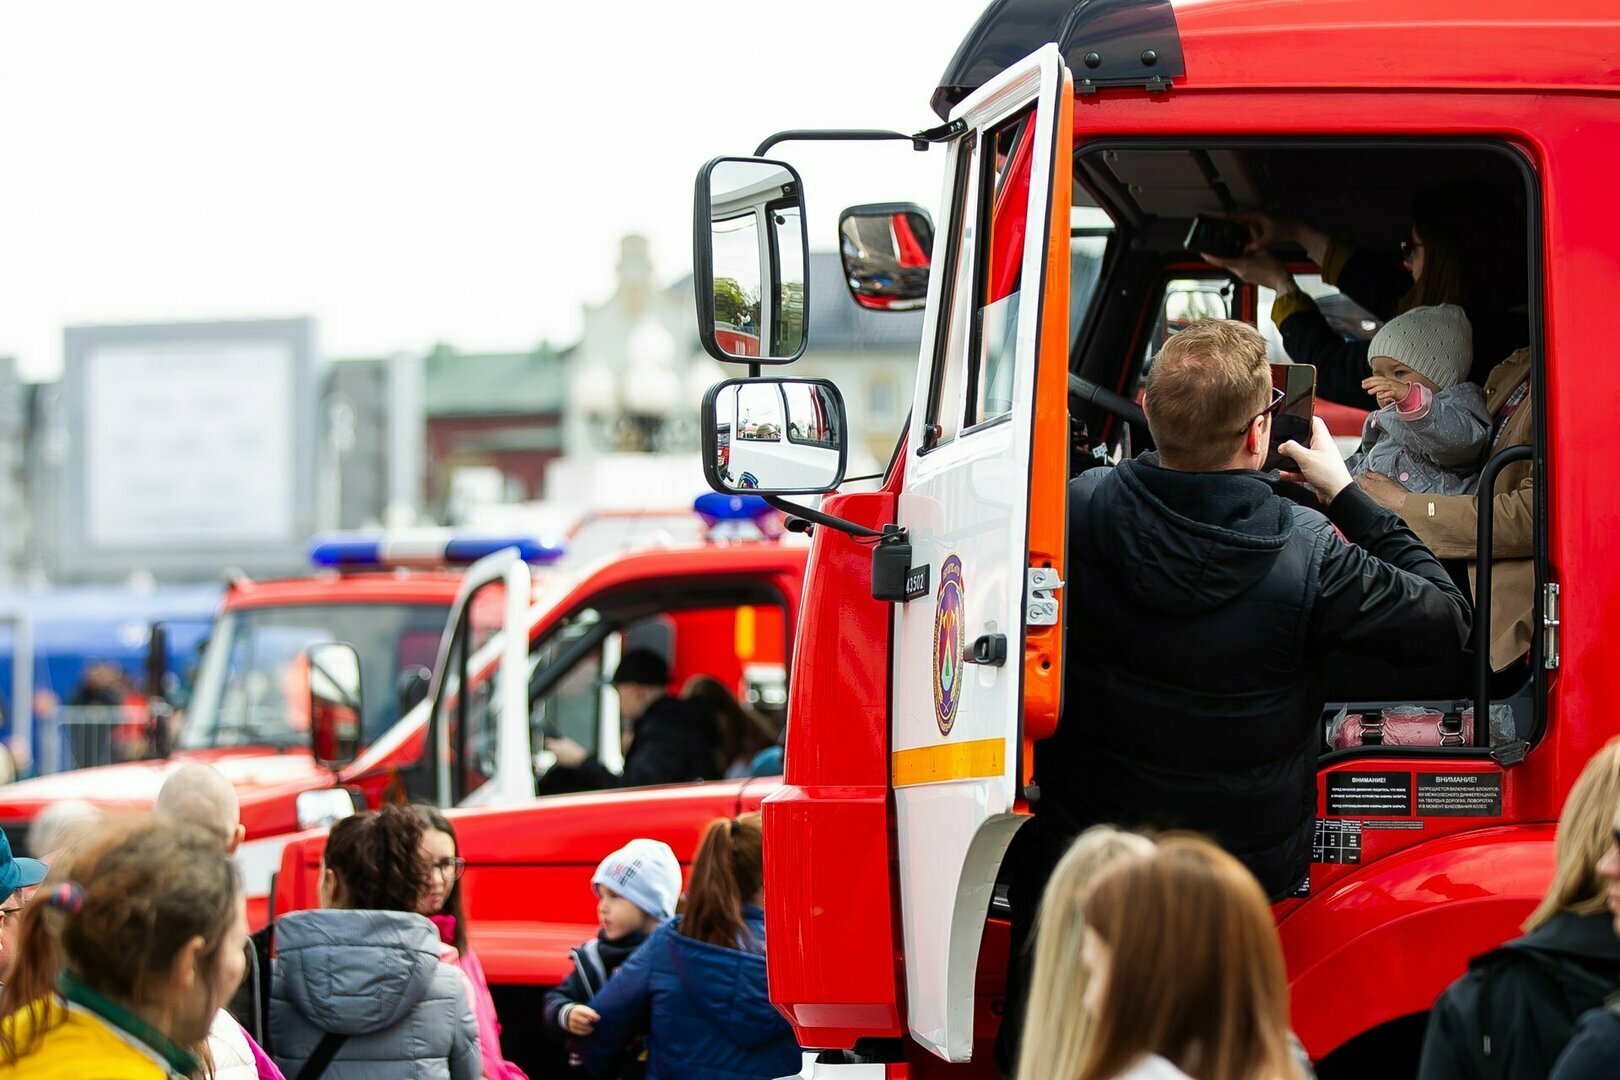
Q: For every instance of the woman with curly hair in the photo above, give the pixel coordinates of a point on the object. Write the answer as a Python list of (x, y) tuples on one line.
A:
[(358, 988)]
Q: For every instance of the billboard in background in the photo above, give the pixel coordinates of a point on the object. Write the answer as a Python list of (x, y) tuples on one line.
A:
[(190, 447)]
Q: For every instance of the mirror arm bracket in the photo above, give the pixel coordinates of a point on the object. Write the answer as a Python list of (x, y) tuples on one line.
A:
[(920, 141), (816, 517)]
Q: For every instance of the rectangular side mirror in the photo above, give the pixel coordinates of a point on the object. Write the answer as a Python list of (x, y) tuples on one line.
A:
[(774, 437), (750, 261), (334, 703), (886, 250)]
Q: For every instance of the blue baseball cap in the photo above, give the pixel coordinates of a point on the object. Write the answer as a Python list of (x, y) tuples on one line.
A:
[(17, 873)]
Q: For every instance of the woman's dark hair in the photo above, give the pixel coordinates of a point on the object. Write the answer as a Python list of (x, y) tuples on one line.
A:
[(433, 820), (378, 858), (743, 732), (727, 872), (1473, 248), (115, 914)]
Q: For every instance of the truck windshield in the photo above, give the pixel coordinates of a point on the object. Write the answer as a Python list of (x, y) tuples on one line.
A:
[(253, 686)]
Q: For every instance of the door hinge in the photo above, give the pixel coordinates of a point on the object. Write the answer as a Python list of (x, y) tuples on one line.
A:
[(1040, 596), (1551, 621)]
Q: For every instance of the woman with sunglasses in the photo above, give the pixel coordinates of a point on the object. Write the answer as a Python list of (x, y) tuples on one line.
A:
[(1460, 249), (441, 902)]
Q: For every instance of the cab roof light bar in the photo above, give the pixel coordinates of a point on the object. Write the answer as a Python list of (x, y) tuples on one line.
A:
[(737, 517), (427, 548)]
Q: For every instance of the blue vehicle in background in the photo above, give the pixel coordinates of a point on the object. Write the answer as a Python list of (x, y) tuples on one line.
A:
[(77, 664)]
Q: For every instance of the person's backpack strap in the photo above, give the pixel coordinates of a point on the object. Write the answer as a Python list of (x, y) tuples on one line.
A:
[(325, 1051), (592, 969)]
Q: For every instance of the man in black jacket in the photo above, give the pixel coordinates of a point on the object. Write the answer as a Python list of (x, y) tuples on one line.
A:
[(1203, 604), (672, 741)]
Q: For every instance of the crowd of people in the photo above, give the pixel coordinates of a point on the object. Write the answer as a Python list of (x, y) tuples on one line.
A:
[(126, 954)]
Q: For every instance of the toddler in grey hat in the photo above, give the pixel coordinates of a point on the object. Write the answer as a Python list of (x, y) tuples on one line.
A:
[(1431, 428)]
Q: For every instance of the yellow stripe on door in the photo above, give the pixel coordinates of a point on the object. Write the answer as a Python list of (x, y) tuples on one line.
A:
[(949, 761)]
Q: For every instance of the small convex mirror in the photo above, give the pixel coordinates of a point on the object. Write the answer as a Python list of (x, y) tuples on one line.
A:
[(750, 259), (886, 249), (774, 436), (334, 702)]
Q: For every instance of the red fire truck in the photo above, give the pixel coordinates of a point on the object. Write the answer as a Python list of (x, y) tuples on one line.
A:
[(932, 634), (247, 713), (724, 609)]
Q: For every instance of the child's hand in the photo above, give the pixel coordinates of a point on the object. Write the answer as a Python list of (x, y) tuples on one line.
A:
[(581, 1020), (1388, 391)]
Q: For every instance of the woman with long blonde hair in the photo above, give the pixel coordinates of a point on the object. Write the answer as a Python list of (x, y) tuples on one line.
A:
[(1182, 972), (1513, 1011)]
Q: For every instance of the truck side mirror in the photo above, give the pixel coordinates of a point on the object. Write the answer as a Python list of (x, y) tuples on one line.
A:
[(750, 260), (774, 436), (886, 249), (334, 702)]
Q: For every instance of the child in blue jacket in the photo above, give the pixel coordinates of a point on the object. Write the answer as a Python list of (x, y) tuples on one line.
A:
[(696, 987)]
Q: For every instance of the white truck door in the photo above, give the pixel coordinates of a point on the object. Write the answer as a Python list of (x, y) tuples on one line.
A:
[(978, 654), (480, 739)]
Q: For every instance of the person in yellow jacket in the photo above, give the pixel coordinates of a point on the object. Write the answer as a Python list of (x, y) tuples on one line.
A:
[(124, 961)]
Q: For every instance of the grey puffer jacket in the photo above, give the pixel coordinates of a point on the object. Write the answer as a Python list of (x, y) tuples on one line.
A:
[(1437, 449), (376, 977)]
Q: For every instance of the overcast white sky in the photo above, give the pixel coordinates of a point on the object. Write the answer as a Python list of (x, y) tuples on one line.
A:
[(411, 172)]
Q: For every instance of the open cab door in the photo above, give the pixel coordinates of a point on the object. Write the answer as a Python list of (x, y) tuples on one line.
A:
[(479, 725), (978, 654)]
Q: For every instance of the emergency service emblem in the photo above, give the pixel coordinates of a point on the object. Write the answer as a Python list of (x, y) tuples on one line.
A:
[(948, 644)]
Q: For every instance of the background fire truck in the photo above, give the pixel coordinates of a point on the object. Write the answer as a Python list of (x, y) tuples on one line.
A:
[(248, 713), (882, 857), (726, 609)]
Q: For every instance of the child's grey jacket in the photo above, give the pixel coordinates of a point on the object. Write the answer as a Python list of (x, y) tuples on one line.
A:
[(1439, 452), (376, 977)]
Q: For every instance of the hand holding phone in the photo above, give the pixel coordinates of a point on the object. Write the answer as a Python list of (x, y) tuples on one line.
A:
[(1320, 462), (1217, 236), (1292, 420)]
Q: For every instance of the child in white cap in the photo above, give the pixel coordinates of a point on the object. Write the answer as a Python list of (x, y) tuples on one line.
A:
[(1431, 429), (636, 888)]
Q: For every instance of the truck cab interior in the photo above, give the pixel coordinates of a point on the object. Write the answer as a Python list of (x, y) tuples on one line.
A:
[(1134, 284)]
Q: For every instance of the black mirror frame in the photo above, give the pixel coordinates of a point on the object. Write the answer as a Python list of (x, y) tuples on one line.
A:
[(703, 264), (875, 209), (710, 430), (336, 764)]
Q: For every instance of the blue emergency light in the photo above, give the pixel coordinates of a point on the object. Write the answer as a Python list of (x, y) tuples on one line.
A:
[(716, 506), (423, 548)]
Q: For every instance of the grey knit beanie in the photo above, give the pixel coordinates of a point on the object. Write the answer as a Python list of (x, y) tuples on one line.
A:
[(644, 872), (1436, 342)]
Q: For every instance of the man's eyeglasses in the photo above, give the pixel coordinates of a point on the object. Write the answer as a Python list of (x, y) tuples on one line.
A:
[(1277, 397), (449, 869)]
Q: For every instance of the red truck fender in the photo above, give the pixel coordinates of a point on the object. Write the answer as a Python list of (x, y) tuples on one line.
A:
[(1382, 943)]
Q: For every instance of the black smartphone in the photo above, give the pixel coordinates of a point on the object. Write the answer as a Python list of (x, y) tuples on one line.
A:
[(1292, 420), (1216, 236)]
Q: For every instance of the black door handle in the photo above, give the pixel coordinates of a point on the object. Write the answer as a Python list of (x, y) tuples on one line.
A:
[(987, 649)]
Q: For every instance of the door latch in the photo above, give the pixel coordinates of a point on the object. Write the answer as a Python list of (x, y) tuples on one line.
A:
[(1040, 596), (1551, 622)]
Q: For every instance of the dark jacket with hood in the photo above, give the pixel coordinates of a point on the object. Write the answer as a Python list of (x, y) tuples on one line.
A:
[(703, 1008), (1594, 1049), (1194, 698), (675, 742), (374, 976), (1514, 1011)]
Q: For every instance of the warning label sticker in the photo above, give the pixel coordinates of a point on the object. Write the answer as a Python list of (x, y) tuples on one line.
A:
[(1366, 794), (1337, 842), (1467, 794)]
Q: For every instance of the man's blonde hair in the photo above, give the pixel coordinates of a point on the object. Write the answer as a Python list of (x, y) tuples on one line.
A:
[(1207, 380)]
